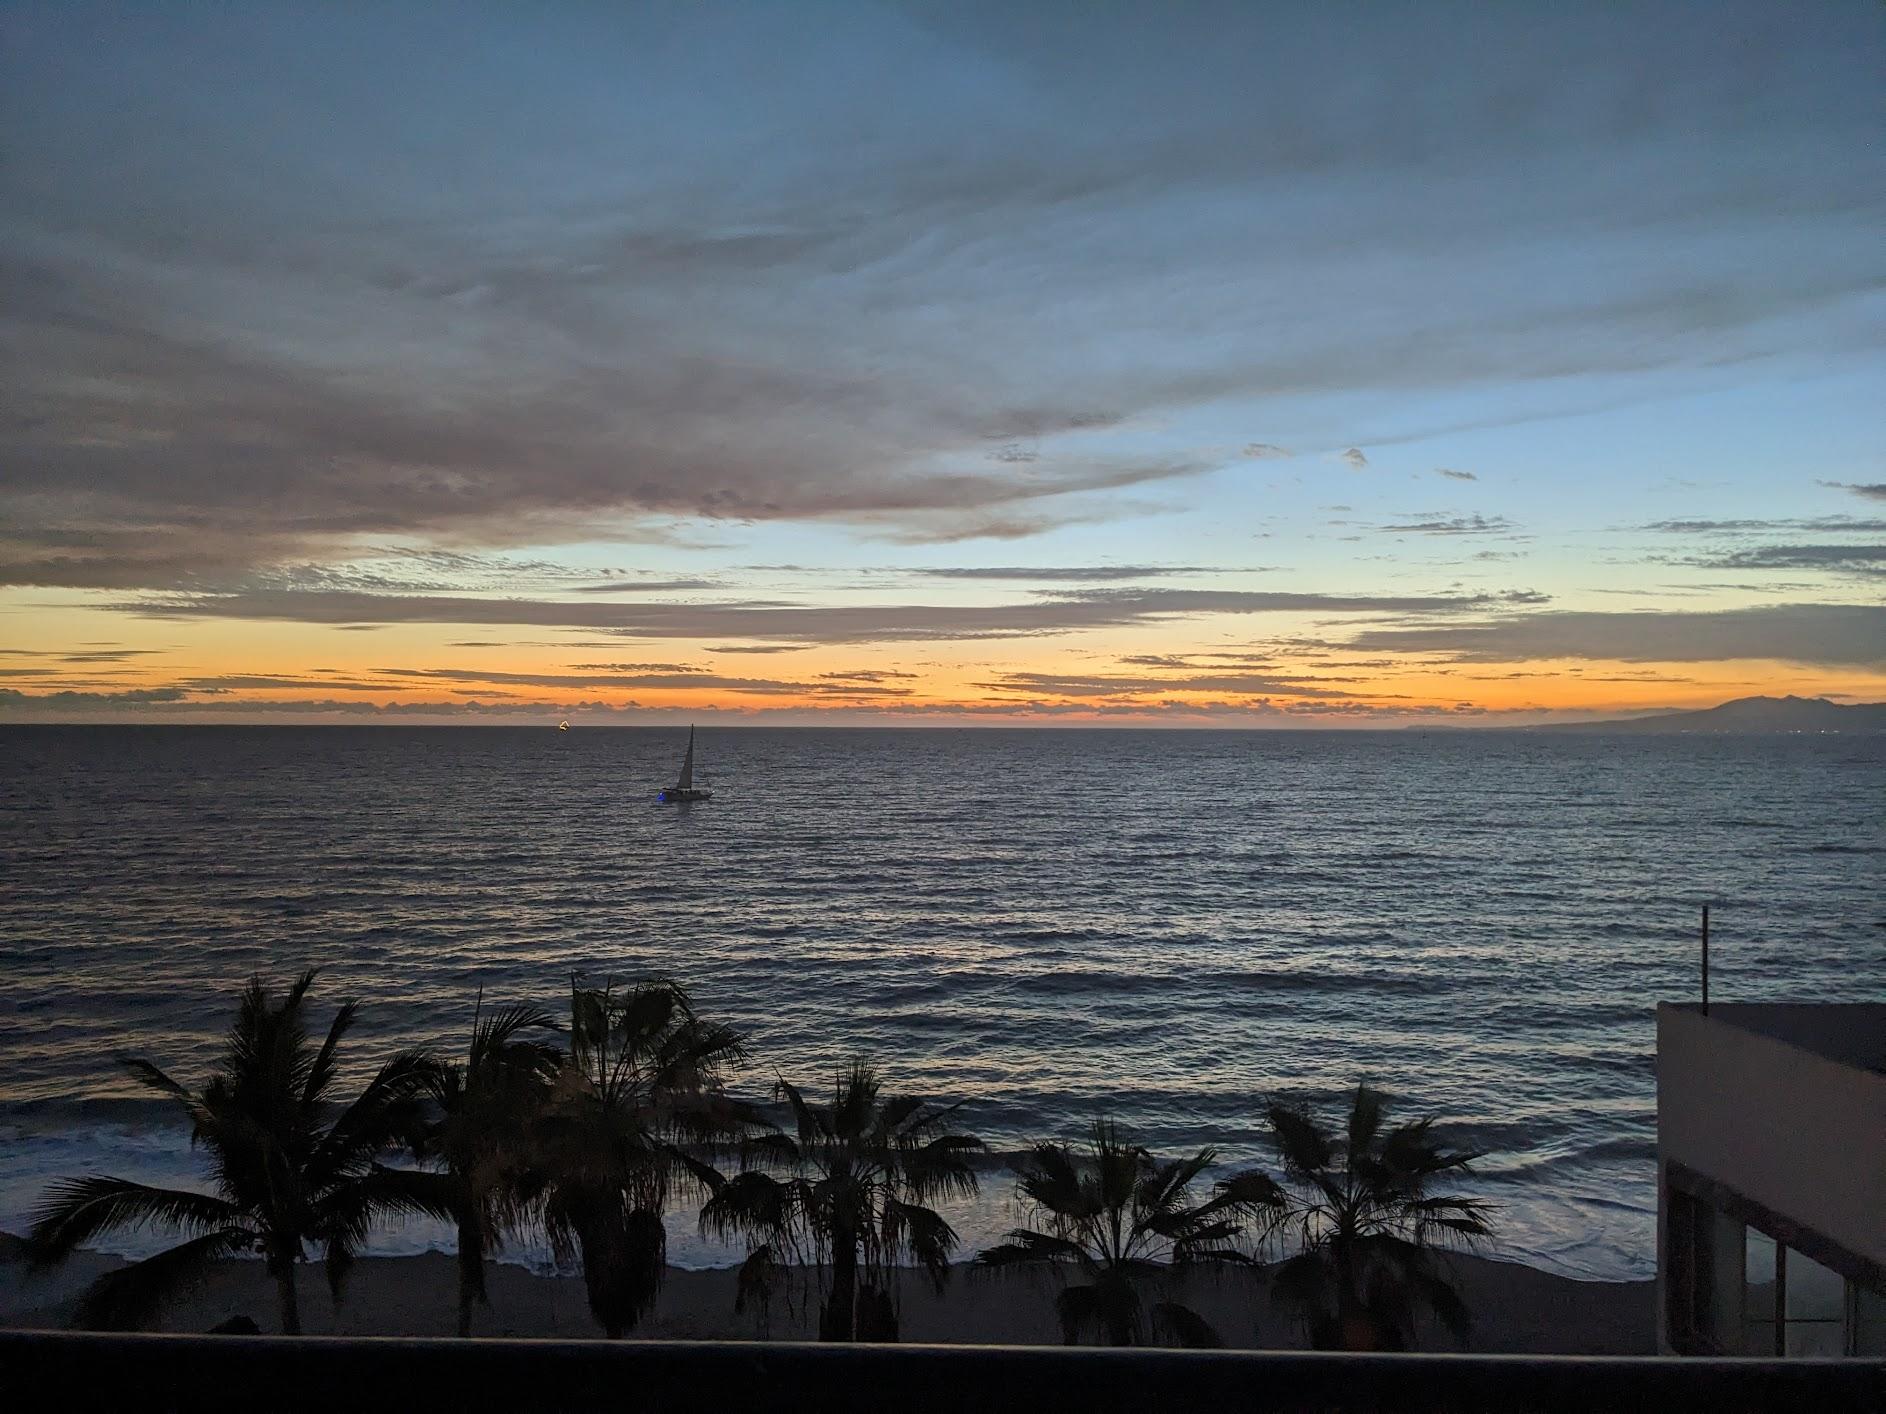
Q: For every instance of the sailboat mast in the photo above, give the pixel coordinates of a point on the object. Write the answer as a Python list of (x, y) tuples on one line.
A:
[(687, 764)]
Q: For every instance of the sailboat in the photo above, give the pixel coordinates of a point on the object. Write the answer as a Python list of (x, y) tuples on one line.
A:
[(683, 789)]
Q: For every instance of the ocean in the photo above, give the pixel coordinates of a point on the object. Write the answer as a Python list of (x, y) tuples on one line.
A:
[(1045, 925)]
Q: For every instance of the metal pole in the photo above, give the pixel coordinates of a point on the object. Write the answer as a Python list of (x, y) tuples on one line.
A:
[(1705, 959)]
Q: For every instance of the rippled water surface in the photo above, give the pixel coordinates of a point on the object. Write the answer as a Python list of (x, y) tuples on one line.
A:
[(1049, 925)]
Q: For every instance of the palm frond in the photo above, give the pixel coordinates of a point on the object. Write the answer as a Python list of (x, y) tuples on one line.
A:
[(492, 1034), (1049, 1177), (924, 1233), (1025, 1247), (1185, 1326), (321, 1072), (749, 1204), (759, 1274), (75, 1210), (412, 1192), (1366, 1111), (383, 1115), (148, 1074), (128, 1297), (811, 1123), (1301, 1143)]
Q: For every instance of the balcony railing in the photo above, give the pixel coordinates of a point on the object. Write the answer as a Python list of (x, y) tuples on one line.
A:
[(154, 1374)]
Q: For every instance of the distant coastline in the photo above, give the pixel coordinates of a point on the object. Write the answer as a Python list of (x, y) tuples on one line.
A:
[(1746, 716)]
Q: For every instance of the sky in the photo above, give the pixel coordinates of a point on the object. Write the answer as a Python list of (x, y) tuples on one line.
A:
[(929, 363)]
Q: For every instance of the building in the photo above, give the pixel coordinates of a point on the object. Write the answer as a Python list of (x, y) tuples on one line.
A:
[(1771, 1179)]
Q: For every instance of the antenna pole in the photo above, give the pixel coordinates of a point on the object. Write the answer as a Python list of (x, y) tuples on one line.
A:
[(1705, 959)]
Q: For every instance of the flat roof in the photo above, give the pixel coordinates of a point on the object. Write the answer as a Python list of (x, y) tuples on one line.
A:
[(1851, 1033)]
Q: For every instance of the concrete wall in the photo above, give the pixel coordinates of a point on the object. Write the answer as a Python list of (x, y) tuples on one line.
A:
[(1852, 1032), (1796, 1132)]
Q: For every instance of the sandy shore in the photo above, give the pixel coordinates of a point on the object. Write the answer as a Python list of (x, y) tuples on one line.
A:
[(1515, 1308)]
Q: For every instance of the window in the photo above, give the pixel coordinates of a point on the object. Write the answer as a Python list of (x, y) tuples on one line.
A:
[(1732, 1288), (1793, 1305), (1761, 1291), (1814, 1308), (1704, 1287)]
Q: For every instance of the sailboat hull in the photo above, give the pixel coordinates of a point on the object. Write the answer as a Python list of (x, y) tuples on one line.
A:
[(679, 795)]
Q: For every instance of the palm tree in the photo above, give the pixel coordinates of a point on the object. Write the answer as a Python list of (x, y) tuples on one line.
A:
[(637, 1110), (480, 1135), (289, 1172), (1125, 1221), (1369, 1219), (860, 1174)]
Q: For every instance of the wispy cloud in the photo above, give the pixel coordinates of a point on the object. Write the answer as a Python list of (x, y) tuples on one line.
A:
[(1865, 560), (1453, 475), (1072, 573), (648, 586), (688, 679), (1451, 525), (1355, 459), (1126, 686), (1055, 611), (1847, 635), (1851, 525), (66, 700)]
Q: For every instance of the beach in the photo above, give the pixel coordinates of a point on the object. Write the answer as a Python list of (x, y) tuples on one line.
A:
[(1515, 1308)]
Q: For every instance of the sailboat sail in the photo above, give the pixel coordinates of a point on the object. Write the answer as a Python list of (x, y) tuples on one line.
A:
[(687, 765)]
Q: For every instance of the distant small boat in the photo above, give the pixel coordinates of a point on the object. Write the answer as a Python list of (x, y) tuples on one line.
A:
[(563, 726), (683, 789)]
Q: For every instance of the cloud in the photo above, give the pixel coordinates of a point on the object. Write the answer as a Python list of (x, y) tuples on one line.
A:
[(1836, 524), (1355, 459), (687, 679), (1123, 686), (1264, 451), (90, 655), (1865, 560), (1455, 475), (172, 700), (1055, 611), (648, 586), (1452, 525), (581, 312), (1048, 573), (1824, 635), (1872, 491), (67, 701)]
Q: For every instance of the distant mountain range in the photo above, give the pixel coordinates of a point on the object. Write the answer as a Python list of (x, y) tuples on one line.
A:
[(1749, 715)]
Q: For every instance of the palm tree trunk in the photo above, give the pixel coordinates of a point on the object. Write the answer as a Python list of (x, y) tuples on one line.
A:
[(1355, 1326), (471, 1262), (285, 1290), (839, 1321), (464, 1302)]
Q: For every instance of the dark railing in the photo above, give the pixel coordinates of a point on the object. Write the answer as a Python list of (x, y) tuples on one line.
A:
[(155, 1374)]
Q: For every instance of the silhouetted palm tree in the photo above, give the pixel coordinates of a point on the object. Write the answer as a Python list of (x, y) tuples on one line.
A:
[(860, 1174), (1364, 1206), (1125, 1222), (638, 1108), (487, 1108), (289, 1171)]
